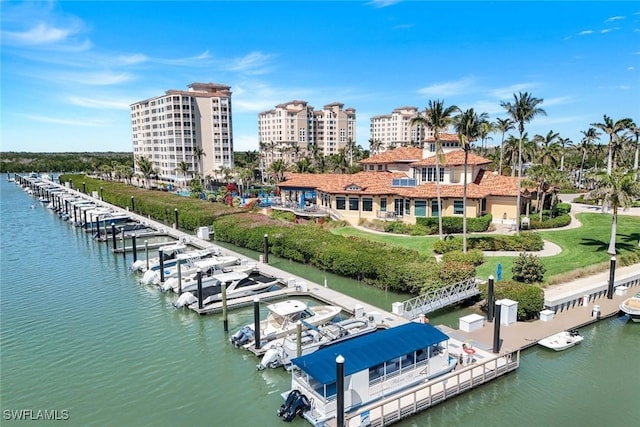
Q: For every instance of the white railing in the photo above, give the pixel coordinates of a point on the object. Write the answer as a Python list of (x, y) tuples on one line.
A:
[(439, 297)]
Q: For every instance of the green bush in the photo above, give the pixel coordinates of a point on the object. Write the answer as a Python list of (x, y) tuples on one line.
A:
[(562, 208), (473, 257), (530, 297), (525, 241), (453, 224), (556, 222), (527, 268)]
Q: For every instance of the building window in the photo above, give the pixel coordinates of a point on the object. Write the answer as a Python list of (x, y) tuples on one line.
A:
[(434, 208), (458, 207), (407, 206), (483, 206), (429, 174), (398, 206), (383, 205), (420, 208), (367, 205), (354, 205), (340, 203)]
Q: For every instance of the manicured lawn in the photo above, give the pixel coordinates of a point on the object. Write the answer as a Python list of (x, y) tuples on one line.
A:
[(581, 247)]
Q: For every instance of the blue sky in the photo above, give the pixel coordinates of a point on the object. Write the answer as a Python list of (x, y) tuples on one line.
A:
[(71, 69)]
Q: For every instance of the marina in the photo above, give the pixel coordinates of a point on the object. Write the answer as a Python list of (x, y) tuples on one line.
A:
[(510, 345)]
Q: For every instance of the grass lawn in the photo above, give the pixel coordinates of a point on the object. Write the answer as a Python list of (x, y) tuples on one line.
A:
[(582, 247)]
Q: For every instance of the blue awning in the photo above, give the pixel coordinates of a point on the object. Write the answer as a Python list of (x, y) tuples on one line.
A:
[(369, 350)]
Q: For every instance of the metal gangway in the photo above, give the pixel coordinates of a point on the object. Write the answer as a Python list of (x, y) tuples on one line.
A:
[(437, 298)]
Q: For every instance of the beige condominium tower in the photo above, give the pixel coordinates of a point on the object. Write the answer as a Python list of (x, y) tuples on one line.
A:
[(393, 130), (191, 126)]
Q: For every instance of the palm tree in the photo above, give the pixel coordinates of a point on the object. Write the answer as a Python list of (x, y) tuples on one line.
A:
[(549, 148), (585, 146), (612, 129), (197, 153), (375, 146), (511, 153), (564, 143), (146, 168), (437, 118), (523, 109), (634, 129), (617, 189), (469, 127), (183, 168), (504, 126), (278, 169), (486, 127)]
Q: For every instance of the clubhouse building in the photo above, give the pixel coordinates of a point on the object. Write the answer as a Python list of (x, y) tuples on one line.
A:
[(400, 185)]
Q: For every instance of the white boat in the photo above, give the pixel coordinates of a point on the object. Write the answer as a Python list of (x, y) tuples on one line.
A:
[(237, 284), (562, 340), (170, 257), (631, 307), (376, 366), (282, 321), (215, 264), (282, 350)]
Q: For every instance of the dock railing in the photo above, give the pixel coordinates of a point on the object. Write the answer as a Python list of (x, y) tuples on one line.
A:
[(424, 396), (437, 298)]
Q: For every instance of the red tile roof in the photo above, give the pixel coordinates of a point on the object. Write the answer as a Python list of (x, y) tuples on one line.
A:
[(397, 155), (379, 183), (454, 158)]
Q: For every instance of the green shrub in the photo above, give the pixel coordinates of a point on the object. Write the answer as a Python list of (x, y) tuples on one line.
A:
[(563, 208), (453, 224), (473, 257), (527, 268), (530, 297), (447, 245)]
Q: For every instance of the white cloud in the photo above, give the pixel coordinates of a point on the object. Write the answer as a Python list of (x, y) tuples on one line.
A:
[(614, 18), (98, 103), (448, 88), (40, 34), (132, 59), (508, 92), (252, 63), (585, 32), (382, 3), (66, 122), (560, 100), (97, 78)]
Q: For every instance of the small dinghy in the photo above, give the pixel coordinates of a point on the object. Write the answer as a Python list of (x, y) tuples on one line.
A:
[(562, 340)]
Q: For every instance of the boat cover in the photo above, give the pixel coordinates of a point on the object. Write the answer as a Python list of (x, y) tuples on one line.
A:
[(368, 350)]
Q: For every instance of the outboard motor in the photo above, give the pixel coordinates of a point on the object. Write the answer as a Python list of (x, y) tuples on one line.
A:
[(150, 277), (171, 284), (295, 404), (185, 299), (272, 358), (243, 336)]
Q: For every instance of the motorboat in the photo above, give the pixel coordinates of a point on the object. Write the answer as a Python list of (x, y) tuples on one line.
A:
[(237, 284), (631, 307), (170, 257), (214, 264), (562, 340), (376, 365), (282, 350), (282, 320)]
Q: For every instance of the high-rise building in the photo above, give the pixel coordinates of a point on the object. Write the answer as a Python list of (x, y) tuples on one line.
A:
[(294, 130), (192, 126), (395, 130)]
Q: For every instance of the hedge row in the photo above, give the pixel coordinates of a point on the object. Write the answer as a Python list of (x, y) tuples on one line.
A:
[(453, 224), (380, 265), (525, 241)]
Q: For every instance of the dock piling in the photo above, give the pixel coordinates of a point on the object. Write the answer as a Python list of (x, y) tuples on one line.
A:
[(135, 249), (175, 211), (161, 258), (496, 329), (256, 321), (225, 321), (179, 267), (113, 236), (490, 300), (199, 274), (340, 391), (612, 277), (146, 250), (265, 255)]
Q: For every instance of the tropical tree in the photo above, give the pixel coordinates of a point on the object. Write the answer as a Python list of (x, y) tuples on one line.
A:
[(469, 127), (549, 148), (278, 168), (146, 169), (375, 146), (504, 126), (613, 129), (197, 153), (183, 168), (438, 118), (486, 127), (634, 129), (523, 109), (616, 189)]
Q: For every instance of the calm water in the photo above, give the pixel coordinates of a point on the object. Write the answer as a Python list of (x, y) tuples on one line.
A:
[(78, 334)]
